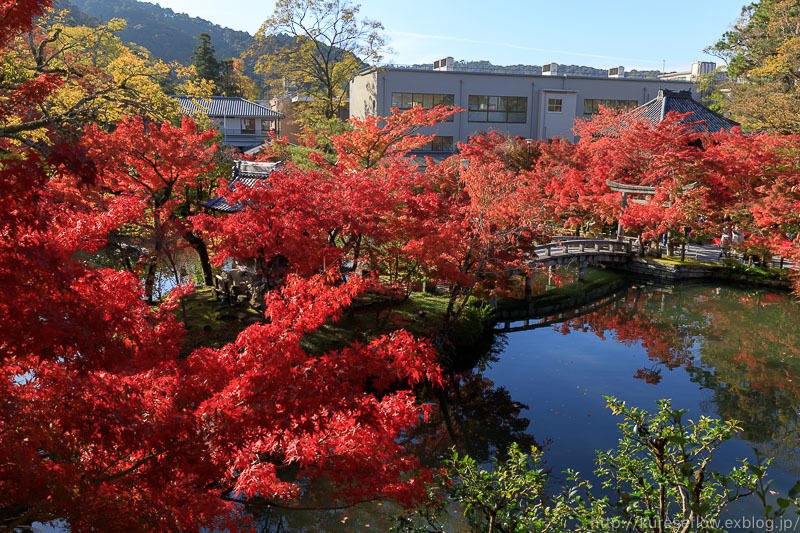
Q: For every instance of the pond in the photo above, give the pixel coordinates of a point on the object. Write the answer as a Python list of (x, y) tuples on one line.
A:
[(720, 351)]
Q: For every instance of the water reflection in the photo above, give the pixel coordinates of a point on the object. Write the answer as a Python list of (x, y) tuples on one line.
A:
[(720, 351), (474, 415), (744, 345)]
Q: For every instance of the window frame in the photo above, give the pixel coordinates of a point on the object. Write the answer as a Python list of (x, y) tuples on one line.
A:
[(438, 144), (497, 109), (409, 100), (247, 131), (595, 104), (555, 105)]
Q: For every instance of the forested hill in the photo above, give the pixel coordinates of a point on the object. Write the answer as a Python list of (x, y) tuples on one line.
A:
[(173, 37), (569, 70), (168, 35)]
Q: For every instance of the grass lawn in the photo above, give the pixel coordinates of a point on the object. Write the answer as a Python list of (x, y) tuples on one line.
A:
[(370, 317), (593, 279), (212, 324), (676, 260)]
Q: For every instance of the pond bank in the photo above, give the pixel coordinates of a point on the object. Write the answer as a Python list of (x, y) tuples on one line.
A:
[(673, 269)]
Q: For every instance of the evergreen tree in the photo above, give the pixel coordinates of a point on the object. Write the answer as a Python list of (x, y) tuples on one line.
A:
[(228, 83), (204, 61)]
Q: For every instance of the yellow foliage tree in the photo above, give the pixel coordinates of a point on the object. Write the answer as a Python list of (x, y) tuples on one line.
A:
[(97, 79), (234, 82), (330, 44), (762, 52)]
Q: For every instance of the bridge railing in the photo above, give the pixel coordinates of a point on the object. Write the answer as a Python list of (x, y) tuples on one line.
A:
[(583, 245)]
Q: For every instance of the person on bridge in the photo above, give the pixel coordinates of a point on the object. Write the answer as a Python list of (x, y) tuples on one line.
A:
[(725, 241)]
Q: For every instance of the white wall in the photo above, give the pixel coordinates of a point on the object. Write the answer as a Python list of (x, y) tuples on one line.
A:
[(557, 123), (371, 94)]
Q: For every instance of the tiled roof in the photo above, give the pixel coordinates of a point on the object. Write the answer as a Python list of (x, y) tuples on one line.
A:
[(682, 102), (247, 173), (224, 106)]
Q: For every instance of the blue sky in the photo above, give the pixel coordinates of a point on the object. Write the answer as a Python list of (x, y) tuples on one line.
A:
[(598, 33)]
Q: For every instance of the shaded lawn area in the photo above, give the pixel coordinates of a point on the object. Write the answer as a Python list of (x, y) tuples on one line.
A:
[(371, 316), (211, 324)]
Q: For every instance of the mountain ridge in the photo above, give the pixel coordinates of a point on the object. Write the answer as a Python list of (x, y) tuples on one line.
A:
[(172, 36), (166, 34)]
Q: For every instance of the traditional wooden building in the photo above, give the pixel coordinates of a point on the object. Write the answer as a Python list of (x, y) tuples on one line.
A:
[(243, 124)]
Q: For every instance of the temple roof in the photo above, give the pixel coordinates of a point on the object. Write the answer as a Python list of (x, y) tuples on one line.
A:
[(682, 102), (247, 173), (225, 106)]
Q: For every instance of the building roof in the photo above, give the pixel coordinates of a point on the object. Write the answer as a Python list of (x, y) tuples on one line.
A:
[(682, 102), (247, 173), (225, 106), (500, 73)]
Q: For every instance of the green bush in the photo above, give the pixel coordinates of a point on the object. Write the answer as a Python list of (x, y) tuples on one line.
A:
[(658, 479)]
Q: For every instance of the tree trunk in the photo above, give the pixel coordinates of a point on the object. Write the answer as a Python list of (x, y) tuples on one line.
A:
[(200, 247), (150, 279)]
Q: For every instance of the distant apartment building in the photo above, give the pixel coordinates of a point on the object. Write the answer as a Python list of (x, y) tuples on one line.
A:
[(698, 70), (242, 123), (531, 106)]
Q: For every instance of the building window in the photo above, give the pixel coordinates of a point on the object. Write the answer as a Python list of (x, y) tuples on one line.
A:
[(554, 105), (405, 101), (513, 109), (440, 143), (591, 106), (248, 125), (266, 125)]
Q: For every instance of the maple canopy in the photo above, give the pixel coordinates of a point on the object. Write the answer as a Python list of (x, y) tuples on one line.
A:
[(101, 420)]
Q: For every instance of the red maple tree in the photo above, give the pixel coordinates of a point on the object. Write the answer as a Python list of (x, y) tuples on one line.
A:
[(159, 164), (102, 423)]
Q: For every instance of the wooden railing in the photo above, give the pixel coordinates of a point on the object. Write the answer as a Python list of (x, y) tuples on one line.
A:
[(567, 246)]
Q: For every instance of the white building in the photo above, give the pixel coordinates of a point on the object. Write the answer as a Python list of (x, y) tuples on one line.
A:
[(242, 123), (699, 68), (534, 107)]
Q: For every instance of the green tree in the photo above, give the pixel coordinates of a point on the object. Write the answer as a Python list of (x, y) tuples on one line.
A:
[(96, 79), (659, 477), (234, 82), (204, 61), (330, 45), (762, 53)]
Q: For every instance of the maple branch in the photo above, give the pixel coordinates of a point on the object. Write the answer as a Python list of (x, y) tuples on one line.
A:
[(135, 466)]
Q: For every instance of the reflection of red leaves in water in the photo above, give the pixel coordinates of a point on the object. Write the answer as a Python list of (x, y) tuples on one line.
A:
[(631, 323), (746, 339), (650, 375)]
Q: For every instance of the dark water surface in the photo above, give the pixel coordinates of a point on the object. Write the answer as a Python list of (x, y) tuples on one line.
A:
[(719, 351)]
